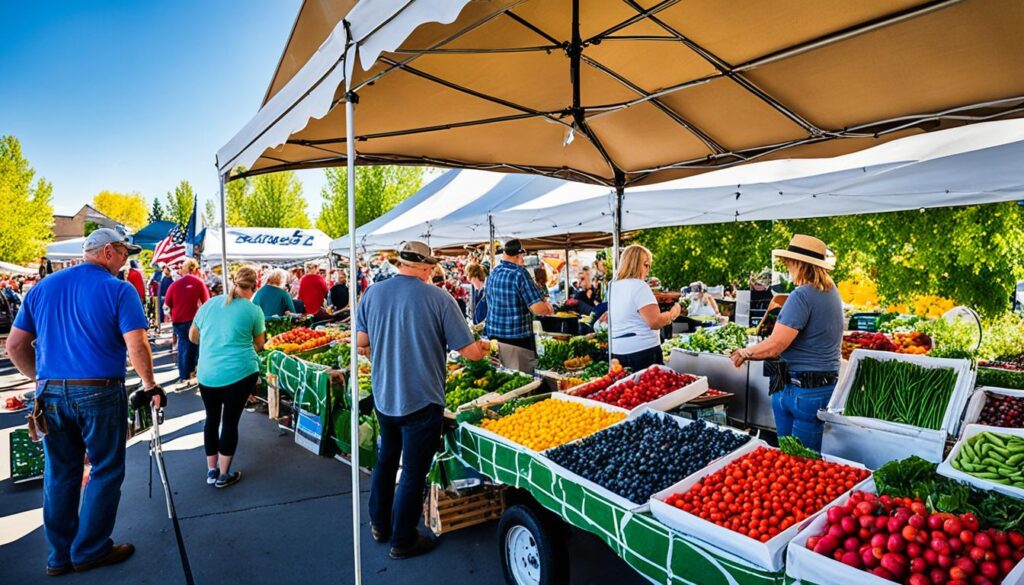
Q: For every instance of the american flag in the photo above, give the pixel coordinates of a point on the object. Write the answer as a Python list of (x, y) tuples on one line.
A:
[(170, 250)]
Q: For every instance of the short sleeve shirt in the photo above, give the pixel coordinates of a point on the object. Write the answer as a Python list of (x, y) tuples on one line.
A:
[(226, 351), (411, 325), (818, 316), (273, 301), (79, 316), (312, 292), (510, 293), (630, 333), (185, 296)]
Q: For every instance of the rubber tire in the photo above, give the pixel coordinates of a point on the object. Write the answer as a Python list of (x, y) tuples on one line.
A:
[(554, 556)]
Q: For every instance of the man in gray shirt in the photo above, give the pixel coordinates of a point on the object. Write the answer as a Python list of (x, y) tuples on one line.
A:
[(409, 325)]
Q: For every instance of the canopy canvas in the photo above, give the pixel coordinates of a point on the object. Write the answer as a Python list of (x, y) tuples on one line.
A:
[(268, 244), (151, 235), (9, 268), (459, 207), (65, 250), (631, 92)]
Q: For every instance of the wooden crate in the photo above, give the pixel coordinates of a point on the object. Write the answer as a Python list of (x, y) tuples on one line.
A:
[(444, 512)]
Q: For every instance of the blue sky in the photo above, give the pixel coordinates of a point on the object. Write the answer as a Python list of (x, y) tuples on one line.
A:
[(136, 95)]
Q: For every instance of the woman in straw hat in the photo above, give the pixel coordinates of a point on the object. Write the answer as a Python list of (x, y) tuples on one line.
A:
[(806, 340)]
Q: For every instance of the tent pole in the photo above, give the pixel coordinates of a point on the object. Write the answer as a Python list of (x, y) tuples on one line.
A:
[(566, 267), (490, 231), (353, 379), (223, 236), (616, 232)]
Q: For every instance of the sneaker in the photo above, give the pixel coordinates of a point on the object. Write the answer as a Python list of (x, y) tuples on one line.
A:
[(422, 545), (229, 479), (118, 553), (211, 476)]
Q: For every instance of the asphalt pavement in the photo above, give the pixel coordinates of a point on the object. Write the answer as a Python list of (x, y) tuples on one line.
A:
[(288, 521)]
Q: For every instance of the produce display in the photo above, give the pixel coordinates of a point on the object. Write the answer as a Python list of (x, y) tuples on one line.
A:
[(570, 382), (896, 323), (723, 340), (478, 378), (1002, 411), (1001, 374), (994, 457), (711, 393), (337, 356), (555, 354), (914, 342), (283, 323), (614, 374), (915, 477), (551, 422), (640, 457), (765, 492), (651, 384), (298, 340), (591, 372), (896, 538), (901, 392)]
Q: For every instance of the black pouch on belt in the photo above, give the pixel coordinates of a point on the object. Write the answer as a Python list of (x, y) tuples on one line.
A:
[(778, 375)]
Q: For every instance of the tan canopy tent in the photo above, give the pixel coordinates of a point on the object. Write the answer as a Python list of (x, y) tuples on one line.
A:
[(642, 91), (621, 93)]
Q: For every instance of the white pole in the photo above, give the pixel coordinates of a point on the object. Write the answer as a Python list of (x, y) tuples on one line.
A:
[(350, 155), (567, 268), (223, 237), (490, 232)]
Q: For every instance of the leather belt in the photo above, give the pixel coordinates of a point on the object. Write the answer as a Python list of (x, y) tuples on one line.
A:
[(89, 382)]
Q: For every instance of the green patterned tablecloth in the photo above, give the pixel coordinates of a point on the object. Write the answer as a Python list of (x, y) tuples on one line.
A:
[(647, 545)]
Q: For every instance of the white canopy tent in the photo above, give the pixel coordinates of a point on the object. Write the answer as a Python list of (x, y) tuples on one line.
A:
[(66, 250), (962, 166), (456, 209), (268, 244), (9, 268)]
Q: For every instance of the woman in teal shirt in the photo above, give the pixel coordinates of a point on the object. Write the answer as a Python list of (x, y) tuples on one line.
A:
[(229, 331), (272, 297)]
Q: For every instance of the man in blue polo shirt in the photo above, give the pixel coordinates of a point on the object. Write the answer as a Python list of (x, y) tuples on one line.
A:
[(512, 300), (84, 321)]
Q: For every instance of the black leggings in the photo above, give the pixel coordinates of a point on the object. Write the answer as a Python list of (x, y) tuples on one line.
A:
[(229, 400)]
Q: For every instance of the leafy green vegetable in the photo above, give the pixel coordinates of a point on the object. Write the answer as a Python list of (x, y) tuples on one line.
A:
[(793, 446), (1000, 378), (915, 477)]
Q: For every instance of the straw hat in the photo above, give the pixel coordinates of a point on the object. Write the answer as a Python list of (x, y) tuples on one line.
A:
[(808, 249)]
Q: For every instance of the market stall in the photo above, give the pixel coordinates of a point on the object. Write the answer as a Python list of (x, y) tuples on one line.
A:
[(822, 81)]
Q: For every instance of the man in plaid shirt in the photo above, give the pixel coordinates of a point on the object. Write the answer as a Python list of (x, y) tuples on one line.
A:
[(512, 296)]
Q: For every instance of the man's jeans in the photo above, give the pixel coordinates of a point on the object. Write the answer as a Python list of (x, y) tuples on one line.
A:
[(413, 438), (81, 420), (188, 352)]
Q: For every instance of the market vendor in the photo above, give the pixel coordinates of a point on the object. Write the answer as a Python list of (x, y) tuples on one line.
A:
[(807, 339), (272, 297), (512, 296), (636, 320), (702, 304)]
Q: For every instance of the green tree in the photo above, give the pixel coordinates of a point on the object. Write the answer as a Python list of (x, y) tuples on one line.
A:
[(236, 196), (210, 215), (128, 209), (180, 203), (275, 201), (156, 211), (378, 190), (26, 207)]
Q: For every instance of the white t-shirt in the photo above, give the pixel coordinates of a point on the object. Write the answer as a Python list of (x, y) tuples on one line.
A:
[(630, 333), (700, 307)]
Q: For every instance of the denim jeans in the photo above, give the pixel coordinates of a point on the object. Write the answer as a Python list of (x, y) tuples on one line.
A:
[(82, 420), (188, 352), (413, 438), (796, 413)]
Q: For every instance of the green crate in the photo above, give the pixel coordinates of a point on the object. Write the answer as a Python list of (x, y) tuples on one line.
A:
[(27, 461)]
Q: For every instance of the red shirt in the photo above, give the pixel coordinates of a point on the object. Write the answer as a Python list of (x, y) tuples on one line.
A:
[(312, 292), (185, 296), (135, 278)]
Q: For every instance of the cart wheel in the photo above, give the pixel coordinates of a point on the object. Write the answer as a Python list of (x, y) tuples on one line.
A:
[(531, 552)]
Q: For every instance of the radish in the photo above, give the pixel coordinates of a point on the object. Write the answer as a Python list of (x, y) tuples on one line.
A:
[(895, 564)]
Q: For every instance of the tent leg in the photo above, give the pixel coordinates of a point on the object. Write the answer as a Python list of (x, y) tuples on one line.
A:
[(616, 231), (350, 101), (223, 236), (567, 268), (490, 232)]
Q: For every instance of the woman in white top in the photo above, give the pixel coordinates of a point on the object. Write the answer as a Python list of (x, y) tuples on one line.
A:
[(636, 321), (702, 304)]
